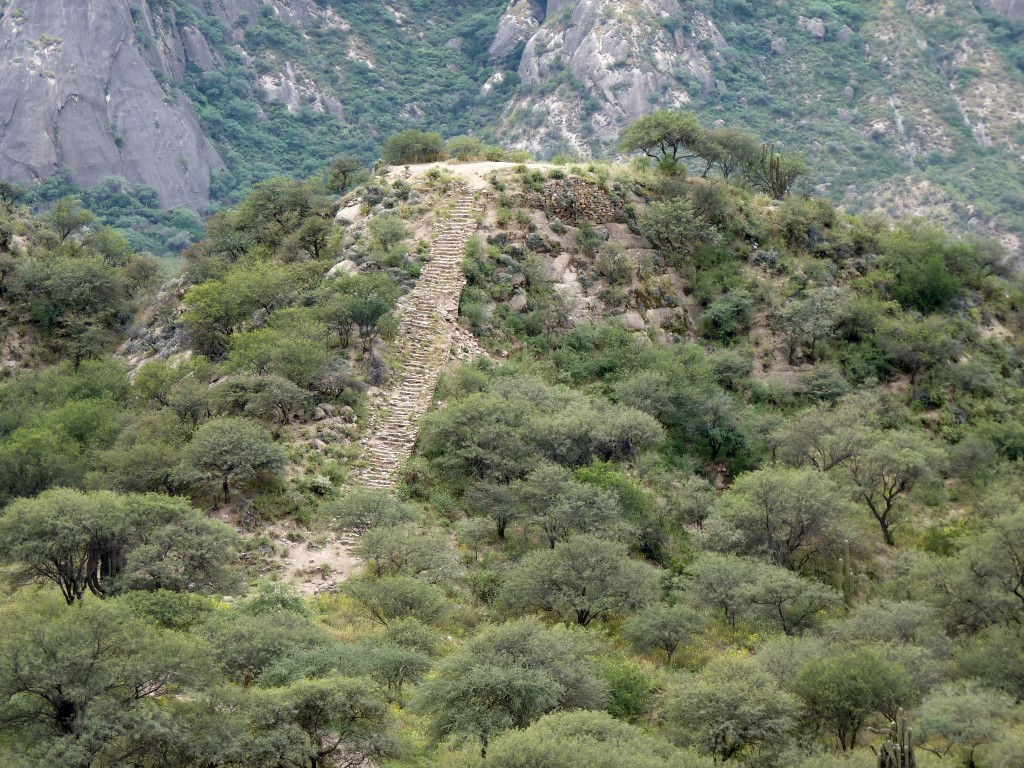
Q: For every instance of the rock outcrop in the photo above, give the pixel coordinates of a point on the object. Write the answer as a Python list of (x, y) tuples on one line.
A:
[(75, 90), (613, 51)]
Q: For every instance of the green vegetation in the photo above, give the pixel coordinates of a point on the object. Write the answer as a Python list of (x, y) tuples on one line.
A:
[(757, 501)]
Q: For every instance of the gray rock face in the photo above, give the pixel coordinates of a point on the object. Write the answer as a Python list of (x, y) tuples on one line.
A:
[(300, 12), (517, 26), (619, 58), (1011, 9), (76, 91)]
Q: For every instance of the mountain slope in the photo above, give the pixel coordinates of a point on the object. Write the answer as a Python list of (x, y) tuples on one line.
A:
[(915, 108)]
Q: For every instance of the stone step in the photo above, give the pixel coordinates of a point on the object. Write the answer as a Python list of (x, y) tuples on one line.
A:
[(428, 322)]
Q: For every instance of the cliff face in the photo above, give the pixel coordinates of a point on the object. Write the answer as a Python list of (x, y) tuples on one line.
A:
[(75, 90), (594, 65)]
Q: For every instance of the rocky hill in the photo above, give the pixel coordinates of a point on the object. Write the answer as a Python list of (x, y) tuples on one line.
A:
[(916, 108)]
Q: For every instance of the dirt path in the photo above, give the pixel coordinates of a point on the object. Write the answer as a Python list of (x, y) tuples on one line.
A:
[(474, 173), (429, 323)]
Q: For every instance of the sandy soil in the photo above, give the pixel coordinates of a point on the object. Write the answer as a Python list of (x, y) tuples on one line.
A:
[(317, 564), (475, 173)]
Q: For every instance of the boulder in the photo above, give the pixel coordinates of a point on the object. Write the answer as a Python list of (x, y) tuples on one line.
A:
[(518, 302), (815, 27), (345, 268), (634, 321)]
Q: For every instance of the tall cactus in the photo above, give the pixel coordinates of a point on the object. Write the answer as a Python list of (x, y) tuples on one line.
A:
[(846, 583), (897, 750), (776, 174)]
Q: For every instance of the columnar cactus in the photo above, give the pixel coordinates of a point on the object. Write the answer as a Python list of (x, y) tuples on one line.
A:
[(897, 750)]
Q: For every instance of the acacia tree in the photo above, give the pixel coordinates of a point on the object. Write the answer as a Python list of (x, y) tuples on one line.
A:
[(734, 151), (663, 627), (573, 739), (414, 146), (964, 715), (101, 541), (229, 449), (338, 716), (794, 517), (580, 580), (730, 709), (889, 468), (666, 136), (74, 682), (344, 173), (506, 677), (843, 690)]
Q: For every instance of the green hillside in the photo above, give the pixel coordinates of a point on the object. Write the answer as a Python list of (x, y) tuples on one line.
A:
[(738, 480)]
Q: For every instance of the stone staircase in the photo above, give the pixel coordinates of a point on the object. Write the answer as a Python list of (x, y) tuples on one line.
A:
[(428, 326)]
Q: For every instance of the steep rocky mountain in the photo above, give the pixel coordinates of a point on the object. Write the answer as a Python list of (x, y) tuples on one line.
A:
[(76, 89), (912, 107)]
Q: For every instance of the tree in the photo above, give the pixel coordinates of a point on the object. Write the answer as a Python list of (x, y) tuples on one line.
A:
[(915, 344), (744, 588), (806, 322), (663, 627), (841, 691), (666, 136), (789, 602), (393, 667), (892, 465), (101, 542), (412, 146), (963, 715), (793, 517), (727, 317), (362, 301), (398, 597), (10, 194), (595, 739), (74, 682), (34, 459), (487, 700), (498, 501), (674, 226), (465, 148), (823, 436), (300, 357), (269, 397), (344, 173), (68, 216), (387, 230), (983, 583), (734, 151), (553, 502), (731, 709), (244, 644), (508, 676), (404, 550), (580, 580), (229, 449), (365, 510), (481, 437), (714, 581), (339, 717)]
